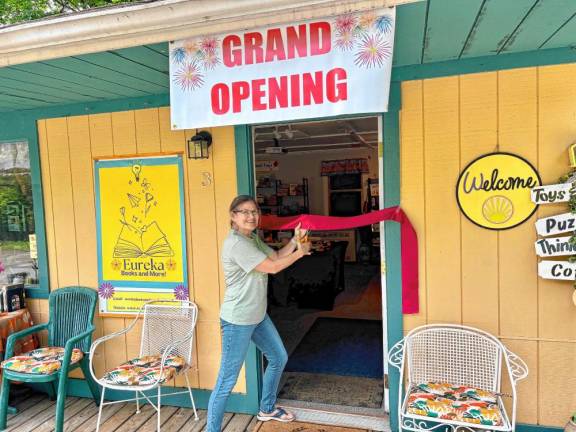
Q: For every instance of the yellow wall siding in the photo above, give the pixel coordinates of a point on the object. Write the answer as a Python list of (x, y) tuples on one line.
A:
[(441, 162), (479, 277), (412, 180), (518, 133), (67, 148), (478, 135)]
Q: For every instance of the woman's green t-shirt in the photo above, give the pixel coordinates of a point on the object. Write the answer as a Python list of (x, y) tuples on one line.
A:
[(246, 288)]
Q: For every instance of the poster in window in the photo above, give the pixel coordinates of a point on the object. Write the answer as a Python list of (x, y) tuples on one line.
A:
[(141, 235)]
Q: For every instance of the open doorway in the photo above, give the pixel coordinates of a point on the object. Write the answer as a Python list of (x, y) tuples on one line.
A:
[(327, 307)]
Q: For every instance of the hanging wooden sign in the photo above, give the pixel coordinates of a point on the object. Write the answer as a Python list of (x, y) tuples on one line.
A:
[(557, 224), (561, 270), (554, 246), (551, 193)]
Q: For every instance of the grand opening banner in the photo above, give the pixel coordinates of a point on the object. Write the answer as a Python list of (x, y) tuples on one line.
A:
[(141, 236), (324, 67)]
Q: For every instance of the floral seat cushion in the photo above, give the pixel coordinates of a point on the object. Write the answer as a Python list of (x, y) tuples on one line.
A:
[(457, 403), (44, 361), (145, 371)]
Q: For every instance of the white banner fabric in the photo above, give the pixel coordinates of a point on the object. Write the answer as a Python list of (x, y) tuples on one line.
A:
[(325, 67)]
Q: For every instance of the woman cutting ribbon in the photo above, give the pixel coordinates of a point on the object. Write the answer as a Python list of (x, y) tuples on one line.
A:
[(247, 261)]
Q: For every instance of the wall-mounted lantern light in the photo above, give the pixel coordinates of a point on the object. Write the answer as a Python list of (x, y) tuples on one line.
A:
[(198, 145)]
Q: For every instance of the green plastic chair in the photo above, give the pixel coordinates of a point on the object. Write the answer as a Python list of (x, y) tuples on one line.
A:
[(70, 325)]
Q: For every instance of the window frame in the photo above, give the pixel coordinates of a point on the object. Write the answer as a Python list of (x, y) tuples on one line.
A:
[(42, 290)]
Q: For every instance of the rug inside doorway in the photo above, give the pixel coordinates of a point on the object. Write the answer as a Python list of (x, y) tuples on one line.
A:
[(273, 426), (333, 389), (340, 346)]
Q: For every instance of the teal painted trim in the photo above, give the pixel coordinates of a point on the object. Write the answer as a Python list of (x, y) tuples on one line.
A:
[(391, 180), (446, 34), (236, 401), (43, 289), (495, 23), (244, 160), (125, 104), (27, 131), (245, 186), (484, 64), (537, 428), (409, 33)]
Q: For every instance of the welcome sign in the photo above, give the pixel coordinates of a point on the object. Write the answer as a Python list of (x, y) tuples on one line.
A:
[(493, 191), (316, 68), (140, 232)]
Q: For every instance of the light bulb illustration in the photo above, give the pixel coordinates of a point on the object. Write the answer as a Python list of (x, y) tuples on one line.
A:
[(137, 169)]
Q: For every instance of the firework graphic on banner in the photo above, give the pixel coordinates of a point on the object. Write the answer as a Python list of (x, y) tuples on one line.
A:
[(210, 60), (344, 41), (188, 77), (344, 26), (384, 24), (209, 44), (106, 290), (364, 35), (191, 48), (366, 21), (372, 52), (180, 292), (345, 23), (194, 55), (179, 55)]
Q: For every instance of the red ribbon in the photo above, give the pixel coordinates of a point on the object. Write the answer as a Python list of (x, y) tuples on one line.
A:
[(409, 241)]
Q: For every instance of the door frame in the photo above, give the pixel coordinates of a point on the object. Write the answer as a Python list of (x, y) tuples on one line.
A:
[(389, 151)]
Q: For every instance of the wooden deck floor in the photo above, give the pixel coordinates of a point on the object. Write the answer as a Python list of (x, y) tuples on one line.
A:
[(36, 413)]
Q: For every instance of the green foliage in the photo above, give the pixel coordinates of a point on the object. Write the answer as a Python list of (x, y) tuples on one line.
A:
[(15, 11), (572, 207), (21, 245)]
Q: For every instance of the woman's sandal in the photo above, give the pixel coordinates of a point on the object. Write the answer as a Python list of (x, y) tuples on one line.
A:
[(279, 414)]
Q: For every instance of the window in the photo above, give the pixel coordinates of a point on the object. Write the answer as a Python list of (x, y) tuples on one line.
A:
[(18, 252)]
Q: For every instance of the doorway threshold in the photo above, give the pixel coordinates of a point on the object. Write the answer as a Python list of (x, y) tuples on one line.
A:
[(338, 415)]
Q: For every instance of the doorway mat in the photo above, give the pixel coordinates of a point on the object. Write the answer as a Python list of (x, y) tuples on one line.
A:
[(333, 389), (340, 346), (295, 426)]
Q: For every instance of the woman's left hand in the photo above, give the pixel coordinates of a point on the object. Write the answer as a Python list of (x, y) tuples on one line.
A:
[(299, 233)]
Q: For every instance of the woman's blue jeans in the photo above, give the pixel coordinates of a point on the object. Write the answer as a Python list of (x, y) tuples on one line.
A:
[(235, 341)]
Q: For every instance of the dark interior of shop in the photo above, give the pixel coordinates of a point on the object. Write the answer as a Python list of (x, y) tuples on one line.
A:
[(328, 306)]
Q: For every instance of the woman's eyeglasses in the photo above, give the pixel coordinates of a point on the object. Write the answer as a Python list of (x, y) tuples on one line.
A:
[(247, 213)]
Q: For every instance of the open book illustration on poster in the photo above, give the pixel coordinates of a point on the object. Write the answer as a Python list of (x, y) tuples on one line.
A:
[(138, 237), (148, 241)]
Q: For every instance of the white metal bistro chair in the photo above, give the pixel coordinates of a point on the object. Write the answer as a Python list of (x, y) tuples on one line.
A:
[(452, 379), (165, 352)]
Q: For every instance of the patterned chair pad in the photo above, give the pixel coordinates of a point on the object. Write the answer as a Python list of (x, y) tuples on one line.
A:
[(43, 361), (456, 403), (144, 371)]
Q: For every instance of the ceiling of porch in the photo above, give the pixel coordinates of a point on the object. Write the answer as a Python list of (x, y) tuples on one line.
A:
[(426, 32)]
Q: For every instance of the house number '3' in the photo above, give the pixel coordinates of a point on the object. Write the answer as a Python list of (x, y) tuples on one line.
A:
[(206, 179)]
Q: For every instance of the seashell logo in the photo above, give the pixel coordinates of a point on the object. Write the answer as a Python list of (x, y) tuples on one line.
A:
[(493, 191), (497, 209)]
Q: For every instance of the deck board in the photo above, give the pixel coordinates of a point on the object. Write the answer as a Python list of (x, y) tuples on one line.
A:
[(46, 413), (36, 413), (75, 408)]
